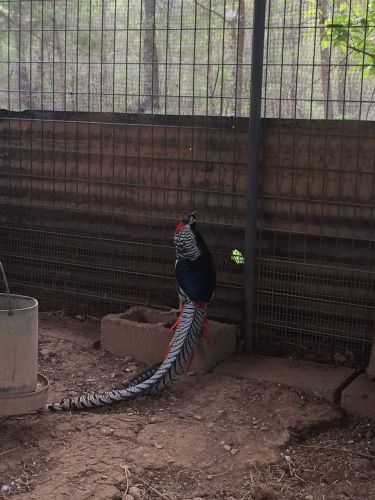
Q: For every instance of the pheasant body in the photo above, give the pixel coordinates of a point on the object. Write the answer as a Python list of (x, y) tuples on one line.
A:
[(196, 280)]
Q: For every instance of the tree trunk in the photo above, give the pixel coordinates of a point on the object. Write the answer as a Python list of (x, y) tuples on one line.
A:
[(150, 60), (240, 56), (289, 108), (23, 74), (60, 77), (325, 61)]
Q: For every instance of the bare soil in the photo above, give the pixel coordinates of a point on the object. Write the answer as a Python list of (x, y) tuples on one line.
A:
[(207, 437)]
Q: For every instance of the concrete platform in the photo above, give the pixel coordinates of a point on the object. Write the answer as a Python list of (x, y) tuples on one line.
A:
[(142, 334), (359, 397), (322, 380)]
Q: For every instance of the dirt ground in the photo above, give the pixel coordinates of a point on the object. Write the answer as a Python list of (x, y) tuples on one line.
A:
[(208, 437)]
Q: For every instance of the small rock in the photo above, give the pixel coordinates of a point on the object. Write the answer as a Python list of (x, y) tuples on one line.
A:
[(360, 464), (197, 417), (135, 492), (172, 398), (309, 497), (234, 451), (265, 493), (226, 447), (128, 359), (47, 353), (105, 491), (106, 431), (158, 446), (127, 497), (339, 358), (136, 470)]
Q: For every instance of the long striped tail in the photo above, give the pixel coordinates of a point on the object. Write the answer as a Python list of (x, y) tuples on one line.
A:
[(152, 381)]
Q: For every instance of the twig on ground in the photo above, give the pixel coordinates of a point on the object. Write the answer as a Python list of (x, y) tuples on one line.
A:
[(207, 476), (281, 477), (9, 451), (125, 468), (221, 473), (76, 485), (337, 448), (153, 489), (246, 495)]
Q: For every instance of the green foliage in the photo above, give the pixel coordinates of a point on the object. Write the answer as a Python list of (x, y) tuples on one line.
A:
[(237, 257), (352, 32)]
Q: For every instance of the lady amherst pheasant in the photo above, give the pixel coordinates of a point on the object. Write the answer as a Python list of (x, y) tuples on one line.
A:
[(196, 281)]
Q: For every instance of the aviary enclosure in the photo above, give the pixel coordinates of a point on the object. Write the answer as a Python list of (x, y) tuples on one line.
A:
[(118, 116)]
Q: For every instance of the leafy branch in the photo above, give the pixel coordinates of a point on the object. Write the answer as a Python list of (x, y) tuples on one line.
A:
[(352, 31)]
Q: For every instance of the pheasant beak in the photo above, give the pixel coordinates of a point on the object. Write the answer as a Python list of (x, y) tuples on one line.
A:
[(190, 219)]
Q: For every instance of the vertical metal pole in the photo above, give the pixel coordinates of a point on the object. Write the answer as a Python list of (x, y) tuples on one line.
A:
[(255, 129)]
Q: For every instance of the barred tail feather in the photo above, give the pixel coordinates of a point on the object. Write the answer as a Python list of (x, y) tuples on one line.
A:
[(155, 379)]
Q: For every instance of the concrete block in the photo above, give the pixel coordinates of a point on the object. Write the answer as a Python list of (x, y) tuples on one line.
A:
[(142, 334), (322, 380), (359, 397)]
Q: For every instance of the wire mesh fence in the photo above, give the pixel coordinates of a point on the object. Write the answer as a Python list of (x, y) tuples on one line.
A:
[(187, 57), (129, 56), (118, 116), (316, 234), (320, 60), (119, 186)]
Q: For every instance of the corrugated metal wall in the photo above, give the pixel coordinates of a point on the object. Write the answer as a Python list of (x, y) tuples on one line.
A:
[(88, 208)]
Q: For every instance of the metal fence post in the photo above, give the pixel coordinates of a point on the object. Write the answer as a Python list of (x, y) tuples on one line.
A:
[(253, 166)]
